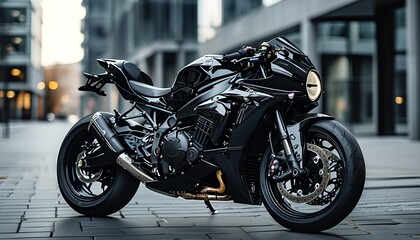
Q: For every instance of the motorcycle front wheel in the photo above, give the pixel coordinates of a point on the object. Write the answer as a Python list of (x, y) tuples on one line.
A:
[(328, 192), (92, 192)]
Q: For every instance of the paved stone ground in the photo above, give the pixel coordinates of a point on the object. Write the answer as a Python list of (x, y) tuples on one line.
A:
[(31, 206)]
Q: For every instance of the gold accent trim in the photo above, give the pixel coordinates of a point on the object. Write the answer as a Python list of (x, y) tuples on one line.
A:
[(222, 187), (210, 193)]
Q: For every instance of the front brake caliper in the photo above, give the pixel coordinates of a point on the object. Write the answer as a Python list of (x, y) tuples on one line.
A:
[(278, 169), (274, 166)]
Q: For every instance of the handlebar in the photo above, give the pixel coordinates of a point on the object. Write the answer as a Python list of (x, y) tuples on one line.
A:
[(241, 53), (265, 53), (232, 56)]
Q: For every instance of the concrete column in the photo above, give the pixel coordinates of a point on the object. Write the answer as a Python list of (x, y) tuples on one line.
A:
[(308, 41), (413, 71), (310, 48), (385, 32)]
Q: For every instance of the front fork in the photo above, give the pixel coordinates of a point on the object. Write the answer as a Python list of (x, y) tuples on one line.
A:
[(292, 148)]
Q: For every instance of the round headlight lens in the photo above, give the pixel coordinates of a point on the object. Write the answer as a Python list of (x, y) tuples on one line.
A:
[(313, 85)]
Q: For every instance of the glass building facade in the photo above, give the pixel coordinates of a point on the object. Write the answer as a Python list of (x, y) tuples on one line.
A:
[(20, 61), (232, 9), (346, 50), (361, 48), (158, 36)]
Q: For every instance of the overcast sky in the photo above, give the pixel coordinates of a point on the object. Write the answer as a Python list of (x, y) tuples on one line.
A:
[(62, 39), (61, 36)]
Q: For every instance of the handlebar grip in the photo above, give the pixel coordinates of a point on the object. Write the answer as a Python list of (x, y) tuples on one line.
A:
[(232, 56), (243, 52)]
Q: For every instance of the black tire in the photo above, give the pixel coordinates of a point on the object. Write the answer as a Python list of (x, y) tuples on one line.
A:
[(338, 202), (120, 185)]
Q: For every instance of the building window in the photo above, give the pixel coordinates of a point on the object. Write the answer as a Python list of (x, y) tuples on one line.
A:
[(13, 15), (13, 74), (344, 30), (163, 25), (12, 44), (366, 30), (346, 49), (189, 22), (333, 30), (233, 9), (20, 104)]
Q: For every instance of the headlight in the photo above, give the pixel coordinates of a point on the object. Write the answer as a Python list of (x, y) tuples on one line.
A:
[(313, 85)]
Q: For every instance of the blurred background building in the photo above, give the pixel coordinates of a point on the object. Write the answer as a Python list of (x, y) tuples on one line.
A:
[(62, 98), (367, 52), (159, 36), (21, 96)]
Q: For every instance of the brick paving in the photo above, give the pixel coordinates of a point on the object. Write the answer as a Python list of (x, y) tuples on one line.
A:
[(31, 206)]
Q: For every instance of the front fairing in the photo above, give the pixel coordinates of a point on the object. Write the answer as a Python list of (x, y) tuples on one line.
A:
[(291, 62), (289, 70), (291, 52)]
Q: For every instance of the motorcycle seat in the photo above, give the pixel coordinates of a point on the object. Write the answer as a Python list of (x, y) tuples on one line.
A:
[(147, 90), (134, 73)]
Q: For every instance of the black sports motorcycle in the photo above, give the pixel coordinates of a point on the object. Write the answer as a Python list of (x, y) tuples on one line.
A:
[(232, 127)]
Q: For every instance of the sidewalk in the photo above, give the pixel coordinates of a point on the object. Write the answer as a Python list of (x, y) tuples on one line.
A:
[(391, 161), (31, 206)]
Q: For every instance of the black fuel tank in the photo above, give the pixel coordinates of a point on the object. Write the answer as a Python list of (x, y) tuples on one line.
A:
[(195, 78)]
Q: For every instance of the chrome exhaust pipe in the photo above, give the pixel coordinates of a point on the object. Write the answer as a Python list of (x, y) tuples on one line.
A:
[(100, 127), (127, 163), (102, 130), (209, 193)]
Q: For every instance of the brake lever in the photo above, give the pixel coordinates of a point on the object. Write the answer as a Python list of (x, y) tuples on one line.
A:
[(248, 62)]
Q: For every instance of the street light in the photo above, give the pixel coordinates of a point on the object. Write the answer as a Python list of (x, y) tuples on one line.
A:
[(53, 85), (10, 94), (15, 72), (40, 85)]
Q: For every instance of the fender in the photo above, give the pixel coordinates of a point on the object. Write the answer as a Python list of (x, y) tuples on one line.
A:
[(305, 120), (296, 128)]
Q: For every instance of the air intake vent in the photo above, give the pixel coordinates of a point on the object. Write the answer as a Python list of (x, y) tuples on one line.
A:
[(251, 169), (203, 129)]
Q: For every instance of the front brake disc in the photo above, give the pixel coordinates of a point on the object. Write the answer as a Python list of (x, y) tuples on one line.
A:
[(296, 195)]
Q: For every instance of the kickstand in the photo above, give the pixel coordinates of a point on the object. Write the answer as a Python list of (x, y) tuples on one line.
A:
[(211, 208)]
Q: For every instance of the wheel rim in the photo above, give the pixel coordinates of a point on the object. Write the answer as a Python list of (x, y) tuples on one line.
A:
[(84, 184), (297, 208)]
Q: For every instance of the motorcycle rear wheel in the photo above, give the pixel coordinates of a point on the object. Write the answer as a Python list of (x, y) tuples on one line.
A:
[(97, 192), (345, 182)]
